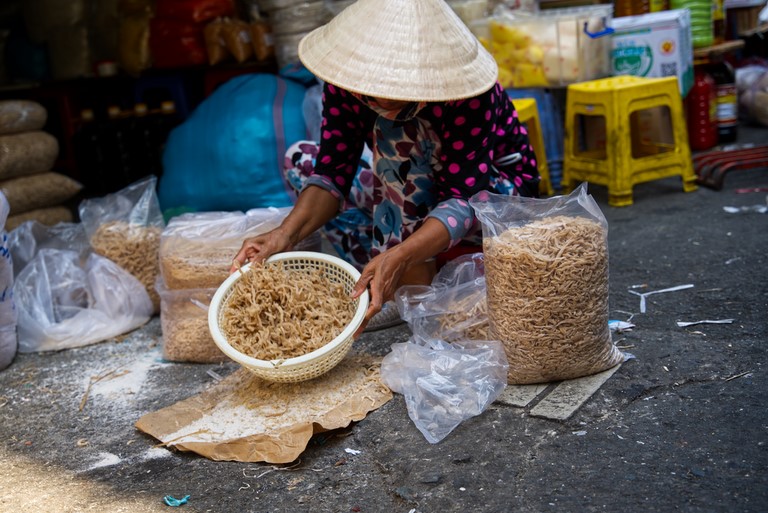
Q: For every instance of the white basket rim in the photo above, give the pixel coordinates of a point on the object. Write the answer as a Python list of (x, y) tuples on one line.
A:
[(297, 361)]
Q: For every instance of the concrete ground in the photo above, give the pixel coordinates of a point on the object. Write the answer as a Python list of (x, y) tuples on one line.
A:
[(681, 427)]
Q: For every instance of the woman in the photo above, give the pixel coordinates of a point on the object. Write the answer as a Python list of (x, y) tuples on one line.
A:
[(407, 78)]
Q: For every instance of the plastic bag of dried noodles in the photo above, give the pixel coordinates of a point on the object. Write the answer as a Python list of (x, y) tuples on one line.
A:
[(546, 269), (125, 227)]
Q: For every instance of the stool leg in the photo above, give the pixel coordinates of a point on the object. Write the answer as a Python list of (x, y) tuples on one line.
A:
[(537, 141), (619, 149)]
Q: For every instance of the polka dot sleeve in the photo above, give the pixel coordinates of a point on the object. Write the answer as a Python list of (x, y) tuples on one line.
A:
[(345, 125), (472, 131)]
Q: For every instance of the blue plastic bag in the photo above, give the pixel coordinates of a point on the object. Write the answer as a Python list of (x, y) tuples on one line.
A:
[(228, 155)]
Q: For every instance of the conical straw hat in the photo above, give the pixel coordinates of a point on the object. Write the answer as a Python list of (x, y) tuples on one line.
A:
[(412, 50)]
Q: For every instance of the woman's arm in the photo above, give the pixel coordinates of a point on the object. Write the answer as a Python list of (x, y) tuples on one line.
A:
[(314, 207), (405, 264)]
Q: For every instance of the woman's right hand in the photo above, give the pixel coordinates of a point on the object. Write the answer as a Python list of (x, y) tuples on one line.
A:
[(259, 248)]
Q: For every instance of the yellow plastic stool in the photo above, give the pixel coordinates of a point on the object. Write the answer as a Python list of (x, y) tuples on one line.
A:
[(625, 130), (528, 113)]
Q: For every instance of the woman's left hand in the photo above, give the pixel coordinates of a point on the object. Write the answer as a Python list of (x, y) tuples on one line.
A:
[(408, 263), (381, 278)]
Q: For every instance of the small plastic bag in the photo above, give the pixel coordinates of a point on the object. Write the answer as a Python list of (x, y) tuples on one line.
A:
[(445, 383), (546, 263), (64, 301), (125, 227), (453, 307)]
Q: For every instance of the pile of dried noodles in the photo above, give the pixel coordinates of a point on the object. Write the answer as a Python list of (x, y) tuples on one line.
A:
[(273, 313)]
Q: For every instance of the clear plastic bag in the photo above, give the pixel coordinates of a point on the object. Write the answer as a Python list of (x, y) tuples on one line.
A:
[(445, 383), (453, 307), (197, 248), (546, 263), (64, 301), (26, 240), (125, 227), (752, 84)]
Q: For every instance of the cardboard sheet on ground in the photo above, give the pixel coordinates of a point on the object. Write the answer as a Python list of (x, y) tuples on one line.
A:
[(244, 418)]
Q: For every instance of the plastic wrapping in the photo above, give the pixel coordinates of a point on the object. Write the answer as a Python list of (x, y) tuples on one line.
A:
[(453, 307), (262, 40), (48, 216), (215, 45), (554, 47), (197, 248), (30, 237), (237, 38), (63, 302), (752, 84), (301, 17), (546, 269), (184, 322), (445, 383), (8, 340), (125, 227), (18, 116), (287, 48)]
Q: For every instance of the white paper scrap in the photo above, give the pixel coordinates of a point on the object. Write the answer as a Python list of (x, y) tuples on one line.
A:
[(620, 326), (705, 321), (646, 294)]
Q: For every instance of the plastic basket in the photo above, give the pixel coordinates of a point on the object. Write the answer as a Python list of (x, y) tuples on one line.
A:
[(310, 365)]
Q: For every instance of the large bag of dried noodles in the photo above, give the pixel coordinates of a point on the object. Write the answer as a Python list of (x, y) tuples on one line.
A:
[(546, 268), (125, 227)]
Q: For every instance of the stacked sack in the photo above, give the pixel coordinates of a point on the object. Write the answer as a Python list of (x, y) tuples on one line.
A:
[(290, 21), (196, 252), (27, 155)]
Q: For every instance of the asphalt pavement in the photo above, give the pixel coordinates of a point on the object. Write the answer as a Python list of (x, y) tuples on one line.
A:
[(680, 427)]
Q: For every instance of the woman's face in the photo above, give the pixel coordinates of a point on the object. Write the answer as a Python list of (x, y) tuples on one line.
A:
[(391, 104)]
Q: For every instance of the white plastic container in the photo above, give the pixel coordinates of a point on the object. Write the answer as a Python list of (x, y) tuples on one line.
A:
[(551, 48)]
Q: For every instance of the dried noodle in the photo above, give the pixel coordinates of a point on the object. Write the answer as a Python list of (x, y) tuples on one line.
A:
[(134, 248), (468, 319), (547, 286), (273, 313)]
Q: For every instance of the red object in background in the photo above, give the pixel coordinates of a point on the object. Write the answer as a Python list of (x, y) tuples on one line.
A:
[(196, 11), (176, 44), (701, 104)]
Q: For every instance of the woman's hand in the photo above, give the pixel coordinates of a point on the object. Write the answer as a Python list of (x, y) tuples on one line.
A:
[(381, 278), (408, 263), (313, 209), (259, 248)]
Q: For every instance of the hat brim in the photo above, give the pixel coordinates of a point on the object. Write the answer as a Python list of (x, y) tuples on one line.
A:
[(434, 58)]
